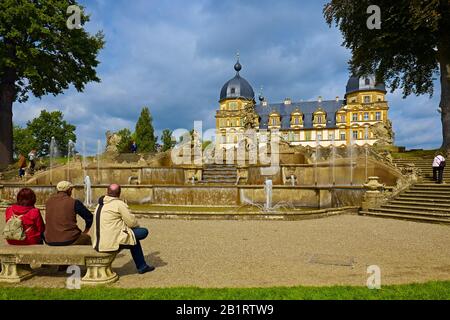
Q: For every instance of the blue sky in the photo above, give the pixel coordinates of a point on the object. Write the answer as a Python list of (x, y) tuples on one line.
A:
[(174, 56)]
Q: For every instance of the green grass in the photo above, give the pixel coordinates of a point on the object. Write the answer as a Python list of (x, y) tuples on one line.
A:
[(414, 154), (425, 291)]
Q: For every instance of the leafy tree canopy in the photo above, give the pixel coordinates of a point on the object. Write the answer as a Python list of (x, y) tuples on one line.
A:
[(48, 125), (145, 134), (408, 51), (23, 141), (40, 55), (167, 140), (126, 139)]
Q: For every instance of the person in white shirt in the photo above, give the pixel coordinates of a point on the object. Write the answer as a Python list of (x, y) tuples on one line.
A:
[(438, 168)]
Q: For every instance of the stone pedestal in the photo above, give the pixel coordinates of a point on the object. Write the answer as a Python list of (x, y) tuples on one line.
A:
[(15, 273), (374, 197), (99, 271)]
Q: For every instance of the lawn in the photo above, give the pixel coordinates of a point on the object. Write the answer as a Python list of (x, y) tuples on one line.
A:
[(421, 154), (425, 291)]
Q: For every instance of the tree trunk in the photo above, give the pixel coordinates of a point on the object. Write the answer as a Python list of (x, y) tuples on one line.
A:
[(6, 125), (445, 103), (444, 64)]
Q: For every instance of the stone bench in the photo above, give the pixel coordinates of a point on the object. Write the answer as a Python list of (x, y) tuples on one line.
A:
[(16, 261)]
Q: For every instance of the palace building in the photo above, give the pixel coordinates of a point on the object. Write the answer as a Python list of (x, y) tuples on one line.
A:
[(305, 123)]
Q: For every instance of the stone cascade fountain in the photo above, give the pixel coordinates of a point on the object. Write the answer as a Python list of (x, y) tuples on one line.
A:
[(52, 155)]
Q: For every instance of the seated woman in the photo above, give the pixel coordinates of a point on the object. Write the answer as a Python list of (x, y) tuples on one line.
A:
[(32, 221)]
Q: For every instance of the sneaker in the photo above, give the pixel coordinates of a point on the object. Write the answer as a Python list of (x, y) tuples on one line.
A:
[(146, 269)]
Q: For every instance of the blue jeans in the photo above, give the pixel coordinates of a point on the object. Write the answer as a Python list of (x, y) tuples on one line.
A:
[(136, 250)]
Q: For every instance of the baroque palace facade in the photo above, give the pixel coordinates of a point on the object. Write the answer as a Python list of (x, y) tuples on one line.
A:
[(339, 122)]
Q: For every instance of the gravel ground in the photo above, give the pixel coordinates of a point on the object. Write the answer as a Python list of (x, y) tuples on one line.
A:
[(330, 251)]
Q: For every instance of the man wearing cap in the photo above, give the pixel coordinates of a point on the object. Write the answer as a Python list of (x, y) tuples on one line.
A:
[(61, 212)]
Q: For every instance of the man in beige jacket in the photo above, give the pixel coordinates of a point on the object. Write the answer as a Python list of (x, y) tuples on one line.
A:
[(116, 228)]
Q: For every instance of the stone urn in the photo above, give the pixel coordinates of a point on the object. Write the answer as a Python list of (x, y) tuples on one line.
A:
[(373, 184)]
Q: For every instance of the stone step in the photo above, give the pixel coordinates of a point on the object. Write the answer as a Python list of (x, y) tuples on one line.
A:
[(422, 203), (218, 177), (411, 212), (432, 185), (415, 207), (427, 191), (433, 189), (220, 172), (218, 182), (209, 174), (430, 195), (406, 217), (421, 199)]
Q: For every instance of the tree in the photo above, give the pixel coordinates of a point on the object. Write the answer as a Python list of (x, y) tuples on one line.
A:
[(408, 51), (167, 140), (23, 141), (145, 134), (126, 139), (40, 55), (48, 125)]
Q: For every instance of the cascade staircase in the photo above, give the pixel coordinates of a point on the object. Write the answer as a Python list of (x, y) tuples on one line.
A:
[(423, 202), (425, 165), (219, 174)]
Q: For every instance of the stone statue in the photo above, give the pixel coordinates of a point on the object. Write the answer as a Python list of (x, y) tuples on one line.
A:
[(383, 132), (112, 140), (250, 116)]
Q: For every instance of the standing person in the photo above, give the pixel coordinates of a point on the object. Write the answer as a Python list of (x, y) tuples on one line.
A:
[(134, 147), (32, 222), (22, 165), (115, 228), (438, 168), (61, 218), (32, 158)]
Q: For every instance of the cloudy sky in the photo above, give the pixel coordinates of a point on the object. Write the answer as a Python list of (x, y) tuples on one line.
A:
[(174, 56)]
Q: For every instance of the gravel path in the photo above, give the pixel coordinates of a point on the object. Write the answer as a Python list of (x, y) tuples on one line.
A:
[(330, 251)]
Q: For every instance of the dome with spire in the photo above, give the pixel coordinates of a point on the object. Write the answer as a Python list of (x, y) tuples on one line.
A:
[(356, 84), (238, 87)]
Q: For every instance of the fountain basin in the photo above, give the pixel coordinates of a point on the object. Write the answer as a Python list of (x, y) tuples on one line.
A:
[(212, 196)]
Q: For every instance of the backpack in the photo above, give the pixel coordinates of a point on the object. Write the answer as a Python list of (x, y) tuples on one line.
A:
[(14, 229), (442, 164)]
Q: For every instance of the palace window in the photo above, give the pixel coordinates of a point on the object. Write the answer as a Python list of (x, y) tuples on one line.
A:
[(297, 118), (378, 116), (233, 90), (342, 118), (291, 136), (319, 136), (366, 116), (366, 134), (355, 116), (233, 106), (367, 82), (342, 135), (319, 117), (366, 99), (308, 135), (355, 135)]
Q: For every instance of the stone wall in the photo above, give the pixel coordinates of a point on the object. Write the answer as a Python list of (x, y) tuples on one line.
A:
[(307, 197)]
